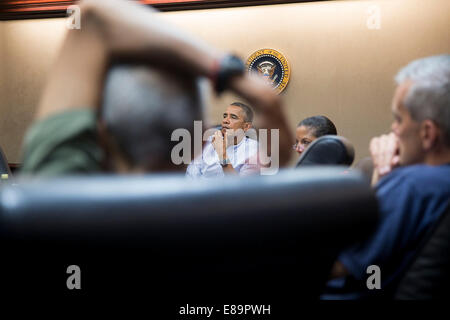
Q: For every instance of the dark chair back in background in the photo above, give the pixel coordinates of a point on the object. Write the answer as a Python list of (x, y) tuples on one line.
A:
[(328, 150)]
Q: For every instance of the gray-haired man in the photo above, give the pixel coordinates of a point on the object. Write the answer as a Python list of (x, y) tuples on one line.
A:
[(413, 167)]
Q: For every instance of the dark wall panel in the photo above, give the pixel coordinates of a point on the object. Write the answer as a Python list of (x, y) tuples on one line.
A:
[(29, 9)]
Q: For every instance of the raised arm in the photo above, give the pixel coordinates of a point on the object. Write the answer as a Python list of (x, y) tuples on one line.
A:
[(117, 29), (124, 30)]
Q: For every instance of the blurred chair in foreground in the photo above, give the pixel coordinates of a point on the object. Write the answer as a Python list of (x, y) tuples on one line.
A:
[(179, 239)]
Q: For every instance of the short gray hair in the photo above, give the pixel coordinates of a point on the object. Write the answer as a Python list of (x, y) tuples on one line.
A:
[(429, 94), (142, 106)]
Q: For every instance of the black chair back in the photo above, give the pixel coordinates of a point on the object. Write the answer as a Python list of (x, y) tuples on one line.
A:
[(263, 236), (328, 150), (428, 276)]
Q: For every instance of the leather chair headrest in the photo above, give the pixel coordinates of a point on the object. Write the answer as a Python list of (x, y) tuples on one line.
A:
[(328, 150)]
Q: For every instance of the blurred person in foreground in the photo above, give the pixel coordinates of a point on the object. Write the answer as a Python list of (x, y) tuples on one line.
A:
[(152, 70), (411, 179)]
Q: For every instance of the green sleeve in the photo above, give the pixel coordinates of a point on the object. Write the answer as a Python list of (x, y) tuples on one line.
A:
[(64, 143)]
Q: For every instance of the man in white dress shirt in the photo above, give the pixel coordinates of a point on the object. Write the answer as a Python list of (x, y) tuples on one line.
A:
[(229, 150)]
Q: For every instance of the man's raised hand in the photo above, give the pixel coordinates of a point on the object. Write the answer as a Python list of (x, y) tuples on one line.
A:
[(384, 152), (220, 144)]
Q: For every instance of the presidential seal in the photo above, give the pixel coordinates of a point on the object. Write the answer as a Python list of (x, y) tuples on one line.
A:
[(271, 65)]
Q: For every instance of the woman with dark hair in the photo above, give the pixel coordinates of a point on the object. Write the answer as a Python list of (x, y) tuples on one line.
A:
[(310, 129)]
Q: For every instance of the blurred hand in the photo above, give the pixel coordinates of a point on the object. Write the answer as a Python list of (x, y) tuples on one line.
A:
[(269, 113), (384, 152)]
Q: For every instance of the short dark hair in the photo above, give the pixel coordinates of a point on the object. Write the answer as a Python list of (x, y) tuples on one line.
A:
[(321, 125), (248, 112)]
